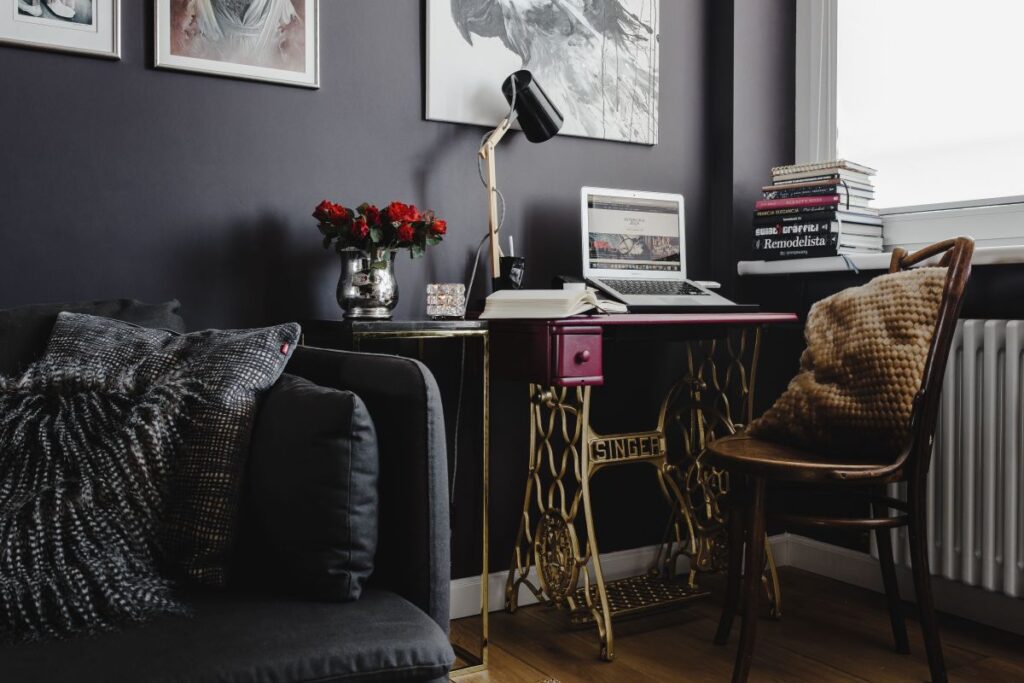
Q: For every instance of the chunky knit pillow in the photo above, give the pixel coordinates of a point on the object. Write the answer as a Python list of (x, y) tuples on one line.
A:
[(85, 458), (234, 367), (864, 362)]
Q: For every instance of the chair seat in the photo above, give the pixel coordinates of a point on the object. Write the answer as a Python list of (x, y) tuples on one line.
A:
[(747, 455)]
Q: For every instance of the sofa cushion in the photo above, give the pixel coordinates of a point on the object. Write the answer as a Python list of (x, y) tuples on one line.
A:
[(233, 366), (24, 330), (231, 637), (310, 509)]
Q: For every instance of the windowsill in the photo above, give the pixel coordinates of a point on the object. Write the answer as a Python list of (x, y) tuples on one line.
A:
[(983, 256)]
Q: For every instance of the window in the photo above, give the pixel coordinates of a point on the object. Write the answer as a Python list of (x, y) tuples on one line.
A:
[(928, 92)]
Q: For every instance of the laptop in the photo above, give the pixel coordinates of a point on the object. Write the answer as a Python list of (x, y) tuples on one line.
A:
[(634, 251)]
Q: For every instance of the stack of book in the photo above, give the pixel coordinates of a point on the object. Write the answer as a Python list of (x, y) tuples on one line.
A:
[(819, 209)]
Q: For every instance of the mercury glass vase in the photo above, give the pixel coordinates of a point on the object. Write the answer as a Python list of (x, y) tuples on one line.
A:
[(367, 287)]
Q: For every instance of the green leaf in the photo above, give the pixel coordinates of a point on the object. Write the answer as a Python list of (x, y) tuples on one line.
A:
[(417, 250), (376, 235), (327, 241), (433, 239)]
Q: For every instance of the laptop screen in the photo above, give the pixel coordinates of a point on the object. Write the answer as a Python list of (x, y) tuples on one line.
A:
[(630, 233)]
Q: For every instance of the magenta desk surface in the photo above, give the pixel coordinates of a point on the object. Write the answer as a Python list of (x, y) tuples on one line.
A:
[(570, 351)]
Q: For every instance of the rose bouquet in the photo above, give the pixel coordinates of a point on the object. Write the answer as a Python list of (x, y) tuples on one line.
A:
[(373, 230)]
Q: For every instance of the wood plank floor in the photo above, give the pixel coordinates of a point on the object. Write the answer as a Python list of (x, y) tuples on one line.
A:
[(830, 631)]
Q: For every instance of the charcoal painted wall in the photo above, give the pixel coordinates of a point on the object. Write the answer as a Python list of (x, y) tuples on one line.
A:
[(124, 180), (120, 180)]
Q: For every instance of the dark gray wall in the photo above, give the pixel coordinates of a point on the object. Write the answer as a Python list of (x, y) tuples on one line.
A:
[(122, 180)]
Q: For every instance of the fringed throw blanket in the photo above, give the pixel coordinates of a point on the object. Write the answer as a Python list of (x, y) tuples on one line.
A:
[(84, 458)]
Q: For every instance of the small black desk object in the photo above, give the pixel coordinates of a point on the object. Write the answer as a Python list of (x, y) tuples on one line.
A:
[(352, 335)]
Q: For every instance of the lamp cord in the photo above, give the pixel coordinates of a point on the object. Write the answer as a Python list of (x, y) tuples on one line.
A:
[(469, 288)]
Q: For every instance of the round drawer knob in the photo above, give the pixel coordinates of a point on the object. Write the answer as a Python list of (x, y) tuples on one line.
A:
[(582, 356)]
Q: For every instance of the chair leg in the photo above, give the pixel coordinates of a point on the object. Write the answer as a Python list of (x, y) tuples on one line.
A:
[(923, 581), (753, 569), (883, 537), (735, 571)]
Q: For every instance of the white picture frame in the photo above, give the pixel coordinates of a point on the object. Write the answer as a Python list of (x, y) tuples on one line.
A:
[(194, 48), (94, 28), (468, 58)]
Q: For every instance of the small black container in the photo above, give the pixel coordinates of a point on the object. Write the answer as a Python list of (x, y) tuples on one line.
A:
[(513, 268)]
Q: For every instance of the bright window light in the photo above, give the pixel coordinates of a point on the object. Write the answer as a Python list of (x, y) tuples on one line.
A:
[(931, 93)]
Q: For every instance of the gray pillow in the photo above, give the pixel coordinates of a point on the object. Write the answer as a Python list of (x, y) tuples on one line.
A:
[(311, 493), (234, 366), (25, 329)]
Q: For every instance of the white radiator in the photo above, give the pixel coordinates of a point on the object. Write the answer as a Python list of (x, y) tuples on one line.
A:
[(976, 481)]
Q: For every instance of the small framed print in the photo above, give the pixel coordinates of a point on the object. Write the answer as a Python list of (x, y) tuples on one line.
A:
[(262, 40), (89, 27)]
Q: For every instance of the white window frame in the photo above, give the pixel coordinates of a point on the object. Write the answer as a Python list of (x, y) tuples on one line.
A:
[(992, 222)]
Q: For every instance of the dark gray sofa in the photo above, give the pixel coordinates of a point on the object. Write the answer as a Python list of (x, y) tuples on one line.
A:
[(397, 630)]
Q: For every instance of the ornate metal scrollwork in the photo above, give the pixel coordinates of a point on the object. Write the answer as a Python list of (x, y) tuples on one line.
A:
[(712, 399), (556, 551)]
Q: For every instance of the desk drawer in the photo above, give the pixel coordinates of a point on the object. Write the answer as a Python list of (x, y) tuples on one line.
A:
[(576, 356)]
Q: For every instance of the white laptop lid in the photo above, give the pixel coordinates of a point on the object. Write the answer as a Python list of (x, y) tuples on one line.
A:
[(633, 234)]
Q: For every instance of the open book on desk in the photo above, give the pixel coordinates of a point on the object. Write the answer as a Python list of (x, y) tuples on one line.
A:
[(546, 303)]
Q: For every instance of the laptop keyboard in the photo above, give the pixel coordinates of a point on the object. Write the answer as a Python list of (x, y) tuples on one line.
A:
[(653, 287)]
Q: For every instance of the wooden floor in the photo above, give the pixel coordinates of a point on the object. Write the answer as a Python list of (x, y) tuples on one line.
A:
[(830, 632)]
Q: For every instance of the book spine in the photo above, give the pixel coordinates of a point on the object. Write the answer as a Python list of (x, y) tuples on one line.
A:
[(786, 254), (802, 213), (815, 214), (823, 165), (793, 202), (780, 230), (785, 192), (770, 245), (862, 183)]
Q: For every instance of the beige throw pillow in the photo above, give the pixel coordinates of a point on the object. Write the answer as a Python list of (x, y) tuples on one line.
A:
[(863, 365)]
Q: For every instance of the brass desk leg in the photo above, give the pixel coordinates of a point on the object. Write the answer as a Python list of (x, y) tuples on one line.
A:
[(558, 485), (715, 398), (485, 513)]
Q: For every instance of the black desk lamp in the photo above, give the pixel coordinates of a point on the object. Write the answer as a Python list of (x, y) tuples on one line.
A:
[(540, 120)]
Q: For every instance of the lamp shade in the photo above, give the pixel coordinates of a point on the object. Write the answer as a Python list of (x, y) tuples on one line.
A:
[(538, 115)]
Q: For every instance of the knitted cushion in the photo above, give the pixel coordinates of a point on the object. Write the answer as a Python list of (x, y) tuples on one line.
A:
[(234, 366), (85, 458), (863, 365)]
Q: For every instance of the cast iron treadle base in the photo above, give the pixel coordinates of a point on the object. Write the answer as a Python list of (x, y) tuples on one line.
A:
[(636, 594)]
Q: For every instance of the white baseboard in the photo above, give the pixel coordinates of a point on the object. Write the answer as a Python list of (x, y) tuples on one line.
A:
[(861, 569), (465, 593), (790, 550)]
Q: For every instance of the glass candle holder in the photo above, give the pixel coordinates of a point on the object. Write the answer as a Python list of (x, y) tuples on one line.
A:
[(446, 300)]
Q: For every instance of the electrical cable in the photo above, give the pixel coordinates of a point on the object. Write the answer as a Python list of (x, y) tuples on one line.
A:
[(469, 290)]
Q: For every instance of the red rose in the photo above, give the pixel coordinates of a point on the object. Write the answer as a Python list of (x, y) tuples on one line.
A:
[(372, 214), (439, 227), (360, 229), (329, 212), (397, 212), (405, 232)]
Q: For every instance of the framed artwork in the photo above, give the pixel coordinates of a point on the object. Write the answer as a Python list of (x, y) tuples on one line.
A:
[(597, 61), (88, 27), (261, 40)]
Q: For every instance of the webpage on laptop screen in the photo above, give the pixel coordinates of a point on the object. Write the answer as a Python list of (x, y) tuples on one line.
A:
[(627, 233)]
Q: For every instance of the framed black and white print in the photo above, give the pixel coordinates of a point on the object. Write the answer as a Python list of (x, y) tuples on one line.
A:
[(596, 59), (263, 40), (88, 27)]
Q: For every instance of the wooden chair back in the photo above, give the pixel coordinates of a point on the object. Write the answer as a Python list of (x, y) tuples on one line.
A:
[(956, 258)]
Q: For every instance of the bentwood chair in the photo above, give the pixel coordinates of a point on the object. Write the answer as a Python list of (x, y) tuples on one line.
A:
[(759, 461)]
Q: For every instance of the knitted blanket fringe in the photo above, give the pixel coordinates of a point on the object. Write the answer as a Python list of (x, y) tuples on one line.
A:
[(84, 461)]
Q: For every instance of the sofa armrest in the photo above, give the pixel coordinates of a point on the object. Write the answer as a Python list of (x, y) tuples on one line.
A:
[(413, 553)]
